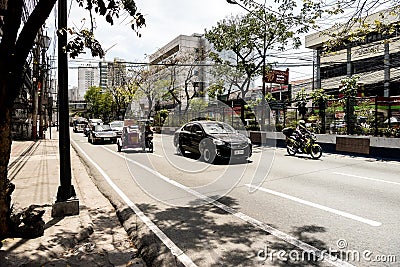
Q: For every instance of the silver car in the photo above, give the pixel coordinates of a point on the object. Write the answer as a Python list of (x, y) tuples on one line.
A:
[(102, 134)]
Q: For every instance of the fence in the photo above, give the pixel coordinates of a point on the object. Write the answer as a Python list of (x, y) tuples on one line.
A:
[(378, 116)]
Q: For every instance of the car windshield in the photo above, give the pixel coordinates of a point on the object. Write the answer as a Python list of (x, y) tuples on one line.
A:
[(117, 124), (218, 128), (102, 128)]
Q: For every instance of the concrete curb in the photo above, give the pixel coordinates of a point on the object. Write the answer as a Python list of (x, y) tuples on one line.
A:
[(150, 248)]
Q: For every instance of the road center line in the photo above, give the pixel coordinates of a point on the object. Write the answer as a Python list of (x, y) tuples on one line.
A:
[(318, 206), (175, 250), (258, 224), (367, 178)]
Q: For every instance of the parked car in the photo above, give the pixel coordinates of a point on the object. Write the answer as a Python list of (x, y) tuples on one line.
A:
[(211, 140), (102, 133), (91, 123), (117, 126)]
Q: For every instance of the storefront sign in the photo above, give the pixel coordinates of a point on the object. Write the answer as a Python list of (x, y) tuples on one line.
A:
[(277, 76)]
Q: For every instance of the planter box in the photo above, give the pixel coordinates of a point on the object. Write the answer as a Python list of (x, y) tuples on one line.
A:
[(359, 145)]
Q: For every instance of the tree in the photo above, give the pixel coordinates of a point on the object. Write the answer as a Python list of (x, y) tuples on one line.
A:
[(184, 84), (150, 85), (215, 89), (301, 98), (236, 52), (226, 76), (349, 90), (122, 97), (99, 104), (320, 98), (16, 43), (242, 42)]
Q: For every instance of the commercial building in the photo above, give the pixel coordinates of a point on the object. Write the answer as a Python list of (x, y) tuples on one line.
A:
[(374, 57)]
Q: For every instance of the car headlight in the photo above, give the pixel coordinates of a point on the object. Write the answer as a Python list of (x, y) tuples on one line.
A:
[(96, 135), (218, 142), (114, 134)]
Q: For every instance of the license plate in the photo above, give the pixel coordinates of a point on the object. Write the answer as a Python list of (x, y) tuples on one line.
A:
[(238, 152), (106, 139)]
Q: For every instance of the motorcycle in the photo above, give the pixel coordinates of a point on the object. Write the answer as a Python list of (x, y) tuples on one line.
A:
[(309, 146)]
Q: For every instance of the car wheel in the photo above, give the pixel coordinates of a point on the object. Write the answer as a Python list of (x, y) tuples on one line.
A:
[(181, 150), (208, 153)]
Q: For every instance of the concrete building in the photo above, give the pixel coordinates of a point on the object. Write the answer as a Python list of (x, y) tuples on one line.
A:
[(88, 76), (374, 59), (73, 94), (113, 73), (189, 52)]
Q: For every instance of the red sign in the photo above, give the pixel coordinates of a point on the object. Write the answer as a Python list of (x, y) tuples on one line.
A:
[(277, 76)]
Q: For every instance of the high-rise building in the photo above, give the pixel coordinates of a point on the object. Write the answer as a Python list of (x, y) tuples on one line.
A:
[(88, 76), (112, 74)]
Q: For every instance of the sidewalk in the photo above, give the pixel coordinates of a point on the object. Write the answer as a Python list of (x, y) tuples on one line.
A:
[(95, 237)]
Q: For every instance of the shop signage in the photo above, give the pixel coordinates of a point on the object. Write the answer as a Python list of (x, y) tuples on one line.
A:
[(277, 76)]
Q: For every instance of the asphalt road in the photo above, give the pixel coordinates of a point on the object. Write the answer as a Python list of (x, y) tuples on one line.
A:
[(268, 211)]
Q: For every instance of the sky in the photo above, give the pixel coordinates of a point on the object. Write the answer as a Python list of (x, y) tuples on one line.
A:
[(165, 20)]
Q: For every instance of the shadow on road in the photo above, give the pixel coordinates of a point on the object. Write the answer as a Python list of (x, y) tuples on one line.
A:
[(214, 237)]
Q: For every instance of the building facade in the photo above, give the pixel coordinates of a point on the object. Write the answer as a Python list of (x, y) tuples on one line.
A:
[(88, 76), (29, 115), (112, 74), (187, 54), (374, 58)]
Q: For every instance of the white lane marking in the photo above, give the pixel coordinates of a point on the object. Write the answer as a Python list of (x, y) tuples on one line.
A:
[(156, 155), (175, 250), (367, 178), (318, 206), (323, 255)]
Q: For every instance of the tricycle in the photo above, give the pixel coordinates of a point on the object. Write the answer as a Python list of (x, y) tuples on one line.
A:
[(136, 134)]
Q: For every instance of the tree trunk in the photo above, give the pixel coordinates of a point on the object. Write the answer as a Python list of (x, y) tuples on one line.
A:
[(15, 46), (5, 187)]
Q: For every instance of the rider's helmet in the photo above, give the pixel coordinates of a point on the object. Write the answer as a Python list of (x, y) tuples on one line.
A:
[(302, 123)]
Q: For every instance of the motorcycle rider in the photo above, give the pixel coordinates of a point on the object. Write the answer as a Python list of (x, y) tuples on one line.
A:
[(301, 133)]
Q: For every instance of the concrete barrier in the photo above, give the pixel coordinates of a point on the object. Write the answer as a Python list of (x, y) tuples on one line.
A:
[(358, 145)]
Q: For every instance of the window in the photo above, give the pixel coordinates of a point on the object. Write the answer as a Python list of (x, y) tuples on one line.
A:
[(196, 128), (187, 127)]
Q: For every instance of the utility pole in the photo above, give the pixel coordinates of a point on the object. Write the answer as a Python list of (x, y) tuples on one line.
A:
[(66, 203), (35, 92)]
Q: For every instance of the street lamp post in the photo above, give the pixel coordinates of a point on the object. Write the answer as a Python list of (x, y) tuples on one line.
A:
[(42, 85), (66, 203)]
